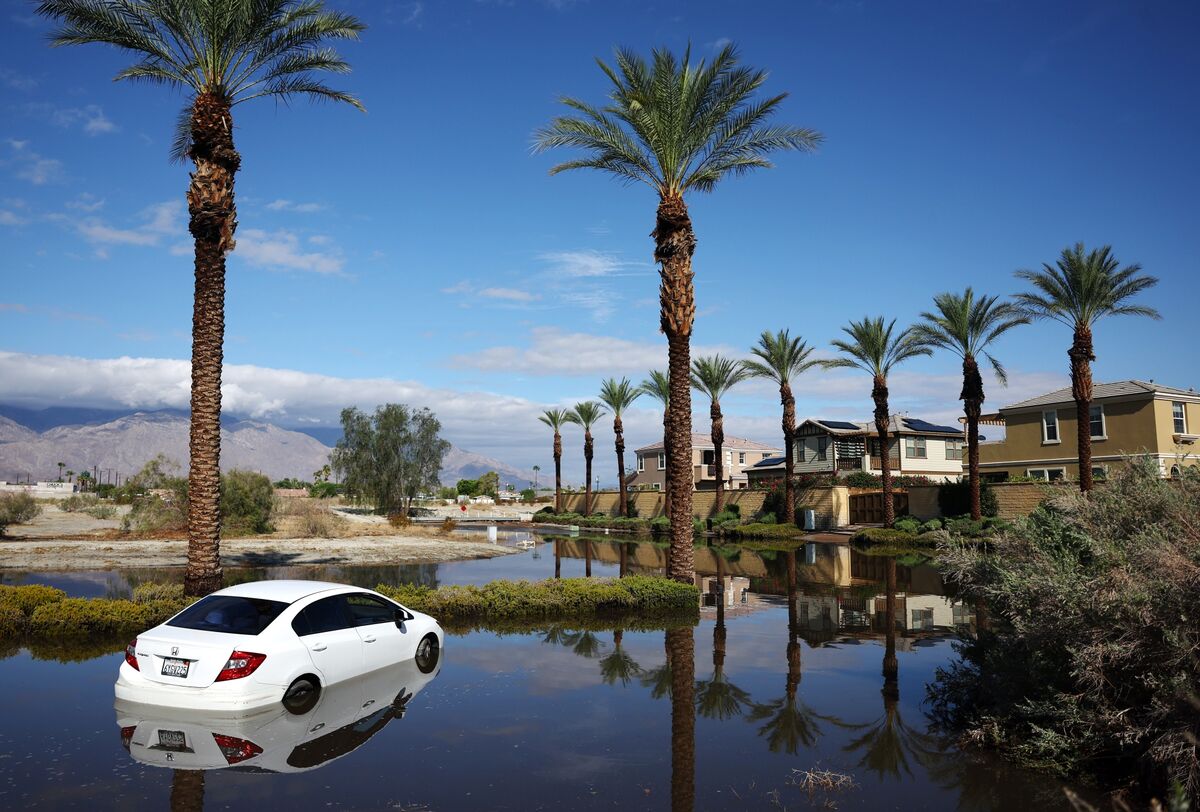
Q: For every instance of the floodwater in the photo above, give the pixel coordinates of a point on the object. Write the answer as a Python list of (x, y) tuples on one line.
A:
[(790, 672)]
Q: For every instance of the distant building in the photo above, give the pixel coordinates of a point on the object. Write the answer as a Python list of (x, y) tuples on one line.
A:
[(40, 490), (1127, 418), (740, 455)]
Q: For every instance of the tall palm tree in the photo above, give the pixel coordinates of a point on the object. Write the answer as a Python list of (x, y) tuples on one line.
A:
[(1078, 290), (556, 419), (619, 396), (536, 470), (220, 54), (966, 326), (714, 375), (678, 127), (780, 359), (876, 349), (658, 386), (586, 414)]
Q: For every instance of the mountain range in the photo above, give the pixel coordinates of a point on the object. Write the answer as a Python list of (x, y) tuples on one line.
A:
[(32, 443)]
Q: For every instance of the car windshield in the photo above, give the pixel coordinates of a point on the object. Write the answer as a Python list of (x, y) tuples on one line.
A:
[(228, 613)]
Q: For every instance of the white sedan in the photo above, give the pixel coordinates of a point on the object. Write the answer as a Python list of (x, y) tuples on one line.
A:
[(257, 644)]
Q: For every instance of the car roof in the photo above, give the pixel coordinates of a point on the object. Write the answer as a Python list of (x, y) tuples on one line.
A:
[(286, 591)]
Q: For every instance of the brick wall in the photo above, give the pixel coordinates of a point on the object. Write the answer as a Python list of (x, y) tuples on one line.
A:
[(923, 502), (832, 504), (1013, 499)]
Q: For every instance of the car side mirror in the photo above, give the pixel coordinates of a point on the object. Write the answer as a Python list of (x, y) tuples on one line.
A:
[(402, 615)]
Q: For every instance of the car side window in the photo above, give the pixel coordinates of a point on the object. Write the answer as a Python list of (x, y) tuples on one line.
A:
[(368, 609), (325, 615)]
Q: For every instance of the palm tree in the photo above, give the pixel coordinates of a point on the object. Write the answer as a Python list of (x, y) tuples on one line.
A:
[(966, 326), (556, 419), (1077, 291), (619, 666), (678, 127), (219, 54), (619, 396), (718, 698), (586, 414), (715, 375), (61, 466), (70, 476), (536, 470), (877, 349), (780, 359), (658, 386)]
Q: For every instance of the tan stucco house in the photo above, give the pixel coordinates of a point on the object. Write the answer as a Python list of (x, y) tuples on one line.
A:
[(1127, 418), (740, 454)]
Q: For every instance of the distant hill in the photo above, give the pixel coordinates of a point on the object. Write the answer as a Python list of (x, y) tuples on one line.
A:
[(124, 442)]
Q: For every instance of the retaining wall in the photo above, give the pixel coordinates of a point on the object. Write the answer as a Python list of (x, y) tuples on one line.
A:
[(831, 504)]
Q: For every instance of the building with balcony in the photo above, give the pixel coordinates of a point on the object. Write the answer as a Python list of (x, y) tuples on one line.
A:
[(740, 454)]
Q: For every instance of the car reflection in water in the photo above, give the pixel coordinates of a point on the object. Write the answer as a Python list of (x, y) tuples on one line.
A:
[(346, 715)]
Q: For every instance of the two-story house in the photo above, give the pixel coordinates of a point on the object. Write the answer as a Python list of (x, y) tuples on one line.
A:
[(739, 454), (1127, 418)]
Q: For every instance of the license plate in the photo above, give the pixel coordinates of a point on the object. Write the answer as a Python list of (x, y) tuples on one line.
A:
[(173, 667), (172, 740)]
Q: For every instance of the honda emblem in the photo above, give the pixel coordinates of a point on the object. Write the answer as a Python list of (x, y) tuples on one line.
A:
[(174, 651)]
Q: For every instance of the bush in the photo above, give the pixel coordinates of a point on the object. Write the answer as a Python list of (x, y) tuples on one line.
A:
[(762, 530), (907, 524), (528, 495), (863, 479), (1090, 666), (101, 511), (399, 520), (767, 518), (81, 616), (448, 525), (247, 499), (17, 508), (77, 502), (954, 498), (631, 509), (931, 525), (26, 599), (13, 622), (890, 536), (152, 592), (724, 517), (324, 490)]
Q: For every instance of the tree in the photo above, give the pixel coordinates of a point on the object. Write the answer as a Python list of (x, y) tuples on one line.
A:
[(678, 127), (70, 476), (658, 386), (966, 326), (489, 484), (780, 359), (714, 376), (877, 349), (61, 466), (619, 396), (537, 469), (556, 419), (390, 457), (1079, 290), (718, 698), (220, 54), (586, 414)]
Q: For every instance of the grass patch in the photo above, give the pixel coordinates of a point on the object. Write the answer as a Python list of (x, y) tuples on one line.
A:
[(762, 530), (609, 522)]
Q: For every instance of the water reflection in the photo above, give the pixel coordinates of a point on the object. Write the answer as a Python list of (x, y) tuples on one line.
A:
[(718, 698), (681, 655)]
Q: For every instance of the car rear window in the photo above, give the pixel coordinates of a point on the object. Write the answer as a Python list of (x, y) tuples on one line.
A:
[(230, 614)]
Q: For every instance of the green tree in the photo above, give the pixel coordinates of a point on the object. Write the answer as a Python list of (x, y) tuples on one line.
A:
[(220, 54), (658, 386), (247, 499), (467, 487), (17, 508), (61, 466), (1079, 290), (966, 326), (781, 358), (714, 376), (489, 484), (619, 396), (390, 457), (556, 419), (678, 127), (877, 349), (586, 414)]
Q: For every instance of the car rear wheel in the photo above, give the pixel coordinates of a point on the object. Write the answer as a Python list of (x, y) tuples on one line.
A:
[(302, 695), (428, 652)]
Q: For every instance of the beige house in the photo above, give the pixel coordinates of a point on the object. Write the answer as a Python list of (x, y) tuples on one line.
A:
[(740, 454), (1127, 418)]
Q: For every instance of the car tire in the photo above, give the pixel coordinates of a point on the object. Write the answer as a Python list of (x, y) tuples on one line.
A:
[(429, 651), (302, 695)]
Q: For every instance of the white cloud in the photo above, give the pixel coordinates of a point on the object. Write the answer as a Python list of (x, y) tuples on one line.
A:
[(13, 307), (86, 201), (17, 81), (159, 221), (301, 208), (30, 166), (280, 250), (509, 294), (90, 117), (588, 263), (8, 218)]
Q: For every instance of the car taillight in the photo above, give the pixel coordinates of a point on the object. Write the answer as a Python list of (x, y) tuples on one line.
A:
[(127, 736), (240, 664), (235, 749), (131, 656)]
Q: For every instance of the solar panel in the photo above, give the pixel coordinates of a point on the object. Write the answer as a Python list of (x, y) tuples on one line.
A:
[(769, 461), (921, 425), (839, 424)]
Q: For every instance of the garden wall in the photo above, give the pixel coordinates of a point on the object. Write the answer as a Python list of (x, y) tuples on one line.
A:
[(1013, 499), (832, 504)]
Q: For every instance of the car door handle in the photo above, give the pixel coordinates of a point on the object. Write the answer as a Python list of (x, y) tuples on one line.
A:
[(370, 639), (319, 647)]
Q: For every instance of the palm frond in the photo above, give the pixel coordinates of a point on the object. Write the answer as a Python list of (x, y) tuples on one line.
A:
[(714, 375), (779, 357), (618, 395), (876, 348), (658, 386), (555, 418), (1083, 287), (586, 414)]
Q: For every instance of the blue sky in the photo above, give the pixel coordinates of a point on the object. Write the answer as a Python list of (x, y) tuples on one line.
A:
[(421, 252)]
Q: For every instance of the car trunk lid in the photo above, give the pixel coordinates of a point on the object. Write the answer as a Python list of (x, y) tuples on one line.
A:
[(186, 657)]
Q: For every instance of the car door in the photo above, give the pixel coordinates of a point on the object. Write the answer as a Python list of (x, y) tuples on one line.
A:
[(383, 642), (326, 629)]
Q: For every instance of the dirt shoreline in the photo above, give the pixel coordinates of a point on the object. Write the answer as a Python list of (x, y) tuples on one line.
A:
[(43, 554)]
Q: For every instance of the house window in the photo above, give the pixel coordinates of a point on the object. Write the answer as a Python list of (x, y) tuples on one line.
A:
[(662, 460), (1175, 472), (1179, 418), (1047, 474), (914, 447), (641, 463), (1099, 472), (741, 458), (822, 448), (1050, 427), (766, 455), (1097, 418), (708, 457), (657, 486), (954, 449)]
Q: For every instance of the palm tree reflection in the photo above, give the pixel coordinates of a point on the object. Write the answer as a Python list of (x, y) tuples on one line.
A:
[(718, 698), (619, 666), (187, 790), (681, 656)]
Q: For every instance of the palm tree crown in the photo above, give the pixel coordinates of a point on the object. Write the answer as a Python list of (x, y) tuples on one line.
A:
[(780, 357), (237, 51), (1082, 287), (658, 386), (586, 414), (619, 395), (876, 348), (556, 419), (714, 375), (674, 125), (966, 325)]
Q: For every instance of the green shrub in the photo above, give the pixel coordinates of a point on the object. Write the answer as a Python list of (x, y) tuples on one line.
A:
[(965, 526), (931, 525), (324, 490), (101, 511), (247, 499), (907, 524), (29, 597), (631, 509), (13, 622), (725, 516), (767, 518), (151, 592), (863, 479), (77, 502), (17, 508), (954, 498), (763, 530), (528, 495), (99, 616), (892, 537)]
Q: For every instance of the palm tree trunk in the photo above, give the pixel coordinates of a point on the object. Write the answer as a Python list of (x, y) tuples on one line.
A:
[(681, 654), (879, 393), (587, 468), (972, 398), (674, 244), (587, 558), (1081, 389), (619, 431), (557, 472), (718, 438), (789, 431), (212, 221)]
